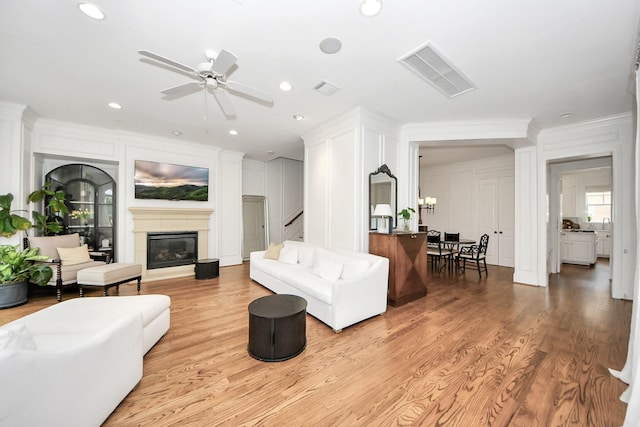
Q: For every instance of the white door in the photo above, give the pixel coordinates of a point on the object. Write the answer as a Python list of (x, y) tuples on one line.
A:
[(496, 217), (254, 223)]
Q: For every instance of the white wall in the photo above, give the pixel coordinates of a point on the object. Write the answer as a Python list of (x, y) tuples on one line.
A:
[(339, 156), (455, 187), (53, 142), (608, 136)]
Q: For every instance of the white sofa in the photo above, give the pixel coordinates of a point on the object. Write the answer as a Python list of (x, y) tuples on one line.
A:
[(341, 287), (72, 363)]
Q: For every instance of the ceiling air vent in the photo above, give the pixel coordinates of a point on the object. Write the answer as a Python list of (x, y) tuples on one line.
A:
[(326, 88), (429, 64)]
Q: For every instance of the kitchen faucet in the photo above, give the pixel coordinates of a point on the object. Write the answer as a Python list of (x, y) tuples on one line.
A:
[(606, 220)]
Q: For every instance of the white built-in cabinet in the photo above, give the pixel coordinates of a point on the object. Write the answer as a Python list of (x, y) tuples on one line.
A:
[(496, 215), (603, 244), (578, 247)]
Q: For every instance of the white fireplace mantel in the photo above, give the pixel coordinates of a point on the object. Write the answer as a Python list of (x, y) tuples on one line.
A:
[(153, 219)]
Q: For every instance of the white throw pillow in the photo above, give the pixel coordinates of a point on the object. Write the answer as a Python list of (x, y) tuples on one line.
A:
[(354, 268), (72, 256), (16, 337), (305, 255), (288, 255), (327, 268)]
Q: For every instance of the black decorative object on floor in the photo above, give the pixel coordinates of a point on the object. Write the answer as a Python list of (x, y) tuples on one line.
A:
[(207, 268), (277, 327)]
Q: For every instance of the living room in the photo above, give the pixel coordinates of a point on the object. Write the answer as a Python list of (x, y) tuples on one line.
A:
[(340, 140)]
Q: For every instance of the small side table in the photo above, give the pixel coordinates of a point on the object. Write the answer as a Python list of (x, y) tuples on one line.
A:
[(207, 268), (277, 327)]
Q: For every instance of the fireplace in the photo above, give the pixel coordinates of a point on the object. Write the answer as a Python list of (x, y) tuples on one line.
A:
[(171, 249)]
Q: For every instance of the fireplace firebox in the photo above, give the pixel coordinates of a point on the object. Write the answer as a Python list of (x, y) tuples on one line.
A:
[(171, 249)]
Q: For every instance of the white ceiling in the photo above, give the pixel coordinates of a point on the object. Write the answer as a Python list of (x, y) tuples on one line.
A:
[(529, 59)]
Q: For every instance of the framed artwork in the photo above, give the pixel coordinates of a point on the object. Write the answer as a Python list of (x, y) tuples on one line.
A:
[(166, 181)]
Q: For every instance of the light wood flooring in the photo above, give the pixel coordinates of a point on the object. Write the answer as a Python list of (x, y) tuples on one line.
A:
[(471, 353)]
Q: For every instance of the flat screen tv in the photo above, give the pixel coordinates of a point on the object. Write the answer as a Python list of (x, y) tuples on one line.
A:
[(170, 182)]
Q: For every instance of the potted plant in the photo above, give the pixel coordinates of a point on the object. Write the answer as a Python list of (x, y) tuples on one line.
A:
[(17, 269), (406, 216)]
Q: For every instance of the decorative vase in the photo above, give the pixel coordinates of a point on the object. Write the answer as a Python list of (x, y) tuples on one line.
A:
[(13, 294)]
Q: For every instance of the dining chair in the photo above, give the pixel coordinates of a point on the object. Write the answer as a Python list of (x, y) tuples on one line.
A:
[(476, 255), (436, 252), (452, 243)]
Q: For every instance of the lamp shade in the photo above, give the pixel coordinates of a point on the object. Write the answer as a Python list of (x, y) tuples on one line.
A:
[(383, 210)]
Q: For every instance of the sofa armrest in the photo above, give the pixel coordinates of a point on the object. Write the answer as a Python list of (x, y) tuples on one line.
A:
[(89, 371), (361, 297)]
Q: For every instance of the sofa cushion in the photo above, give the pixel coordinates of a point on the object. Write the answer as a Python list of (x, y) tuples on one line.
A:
[(274, 268), (288, 255), (353, 266), (73, 256), (49, 244), (273, 251), (70, 272), (327, 268), (306, 251), (16, 337), (309, 283)]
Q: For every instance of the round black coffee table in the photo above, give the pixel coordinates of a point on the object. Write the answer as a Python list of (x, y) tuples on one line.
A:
[(277, 327)]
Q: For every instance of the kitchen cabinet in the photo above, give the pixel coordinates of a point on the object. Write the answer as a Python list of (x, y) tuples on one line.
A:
[(407, 254), (603, 244), (578, 247)]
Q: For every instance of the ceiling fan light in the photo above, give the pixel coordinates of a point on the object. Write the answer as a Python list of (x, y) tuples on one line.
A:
[(91, 10), (211, 83), (370, 7)]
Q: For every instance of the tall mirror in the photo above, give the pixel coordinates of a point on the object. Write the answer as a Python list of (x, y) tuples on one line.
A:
[(383, 189)]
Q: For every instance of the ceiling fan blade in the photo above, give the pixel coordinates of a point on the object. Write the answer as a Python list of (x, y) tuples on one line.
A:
[(182, 89), (167, 61), (223, 63), (225, 103), (249, 91)]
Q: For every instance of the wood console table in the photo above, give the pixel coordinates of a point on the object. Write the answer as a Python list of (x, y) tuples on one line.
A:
[(407, 253)]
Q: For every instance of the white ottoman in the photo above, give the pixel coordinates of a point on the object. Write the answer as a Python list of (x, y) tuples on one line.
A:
[(109, 275)]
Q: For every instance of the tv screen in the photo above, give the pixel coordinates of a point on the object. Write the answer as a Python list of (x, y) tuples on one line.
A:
[(170, 182)]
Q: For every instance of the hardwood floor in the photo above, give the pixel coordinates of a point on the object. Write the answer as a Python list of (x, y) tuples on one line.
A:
[(471, 353)]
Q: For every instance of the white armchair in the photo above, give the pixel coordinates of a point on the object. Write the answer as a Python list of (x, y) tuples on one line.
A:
[(65, 267)]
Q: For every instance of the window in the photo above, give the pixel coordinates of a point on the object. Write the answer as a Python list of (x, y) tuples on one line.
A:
[(599, 205)]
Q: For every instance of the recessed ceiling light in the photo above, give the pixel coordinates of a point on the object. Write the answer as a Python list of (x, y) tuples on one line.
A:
[(566, 115), (176, 132), (91, 10), (115, 105), (298, 117), (330, 45), (370, 7), (233, 132), (271, 152), (285, 86)]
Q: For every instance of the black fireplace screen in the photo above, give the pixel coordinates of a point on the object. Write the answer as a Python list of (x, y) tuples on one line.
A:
[(171, 249)]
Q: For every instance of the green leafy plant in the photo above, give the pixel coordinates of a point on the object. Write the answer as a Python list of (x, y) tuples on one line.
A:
[(11, 222), (406, 213), (23, 265)]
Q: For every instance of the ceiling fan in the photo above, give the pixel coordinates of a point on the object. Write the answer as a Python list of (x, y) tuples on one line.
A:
[(211, 76)]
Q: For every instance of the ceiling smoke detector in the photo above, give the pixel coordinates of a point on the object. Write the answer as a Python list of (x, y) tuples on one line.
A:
[(436, 70)]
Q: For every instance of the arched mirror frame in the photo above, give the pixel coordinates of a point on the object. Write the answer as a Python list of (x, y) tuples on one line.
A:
[(384, 176)]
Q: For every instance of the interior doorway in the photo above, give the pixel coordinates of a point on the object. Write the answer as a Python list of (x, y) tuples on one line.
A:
[(571, 181), (255, 224)]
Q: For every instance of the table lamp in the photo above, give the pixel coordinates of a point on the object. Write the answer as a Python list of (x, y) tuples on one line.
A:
[(383, 211)]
